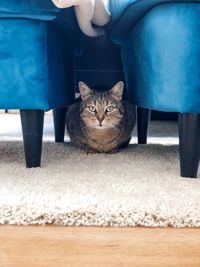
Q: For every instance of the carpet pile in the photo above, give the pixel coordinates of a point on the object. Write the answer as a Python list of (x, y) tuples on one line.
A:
[(138, 186)]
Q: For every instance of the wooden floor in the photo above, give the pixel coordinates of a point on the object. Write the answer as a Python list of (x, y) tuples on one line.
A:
[(96, 247)]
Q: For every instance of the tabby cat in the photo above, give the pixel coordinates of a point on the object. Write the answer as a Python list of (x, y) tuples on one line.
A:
[(101, 121)]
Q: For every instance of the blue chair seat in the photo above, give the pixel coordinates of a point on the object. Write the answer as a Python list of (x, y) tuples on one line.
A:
[(126, 14), (161, 54), (37, 43), (34, 9)]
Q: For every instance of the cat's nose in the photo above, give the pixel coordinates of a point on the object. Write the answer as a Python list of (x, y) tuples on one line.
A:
[(100, 119), (100, 123)]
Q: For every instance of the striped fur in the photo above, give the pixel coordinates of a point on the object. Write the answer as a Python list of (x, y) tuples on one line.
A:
[(101, 121)]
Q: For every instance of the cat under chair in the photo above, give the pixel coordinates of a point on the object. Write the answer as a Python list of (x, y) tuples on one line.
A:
[(101, 121)]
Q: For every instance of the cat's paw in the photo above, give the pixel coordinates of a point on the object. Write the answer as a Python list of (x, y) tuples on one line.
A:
[(91, 151), (112, 151)]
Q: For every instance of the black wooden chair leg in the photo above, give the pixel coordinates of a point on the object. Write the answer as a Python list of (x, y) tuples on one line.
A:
[(59, 114), (143, 117), (59, 117), (189, 144), (32, 127)]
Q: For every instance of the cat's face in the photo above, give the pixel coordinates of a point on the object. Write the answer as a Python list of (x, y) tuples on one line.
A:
[(101, 110)]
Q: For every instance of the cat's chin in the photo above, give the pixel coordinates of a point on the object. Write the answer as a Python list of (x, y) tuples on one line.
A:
[(103, 127)]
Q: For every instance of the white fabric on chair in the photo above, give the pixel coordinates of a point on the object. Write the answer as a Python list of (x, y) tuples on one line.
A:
[(88, 12)]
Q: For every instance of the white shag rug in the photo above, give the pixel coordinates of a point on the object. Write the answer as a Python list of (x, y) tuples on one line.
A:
[(138, 186)]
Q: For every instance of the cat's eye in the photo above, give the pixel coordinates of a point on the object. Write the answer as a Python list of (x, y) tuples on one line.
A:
[(91, 108), (109, 108)]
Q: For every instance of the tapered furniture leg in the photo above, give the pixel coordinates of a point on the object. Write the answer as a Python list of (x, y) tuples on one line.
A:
[(189, 144), (59, 117), (143, 117), (32, 127)]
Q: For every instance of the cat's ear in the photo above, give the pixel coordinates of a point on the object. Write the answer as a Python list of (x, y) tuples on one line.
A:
[(85, 91), (117, 91)]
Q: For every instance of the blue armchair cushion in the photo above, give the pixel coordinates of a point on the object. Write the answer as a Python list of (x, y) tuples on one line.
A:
[(126, 14), (35, 64), (47, 11), (35, 9), (37, 45), (161, 58)]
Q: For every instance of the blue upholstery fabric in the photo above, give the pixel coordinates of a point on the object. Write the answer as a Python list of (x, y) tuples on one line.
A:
[(38, 9), (126, 14), (117, 7), (37, 43), (41, 10), (161, 58)]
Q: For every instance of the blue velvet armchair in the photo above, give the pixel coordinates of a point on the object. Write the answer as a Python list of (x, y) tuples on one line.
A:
[(160, 50), (37, 47)]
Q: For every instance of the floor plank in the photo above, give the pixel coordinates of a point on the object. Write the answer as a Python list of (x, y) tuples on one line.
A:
[(52, 246)]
